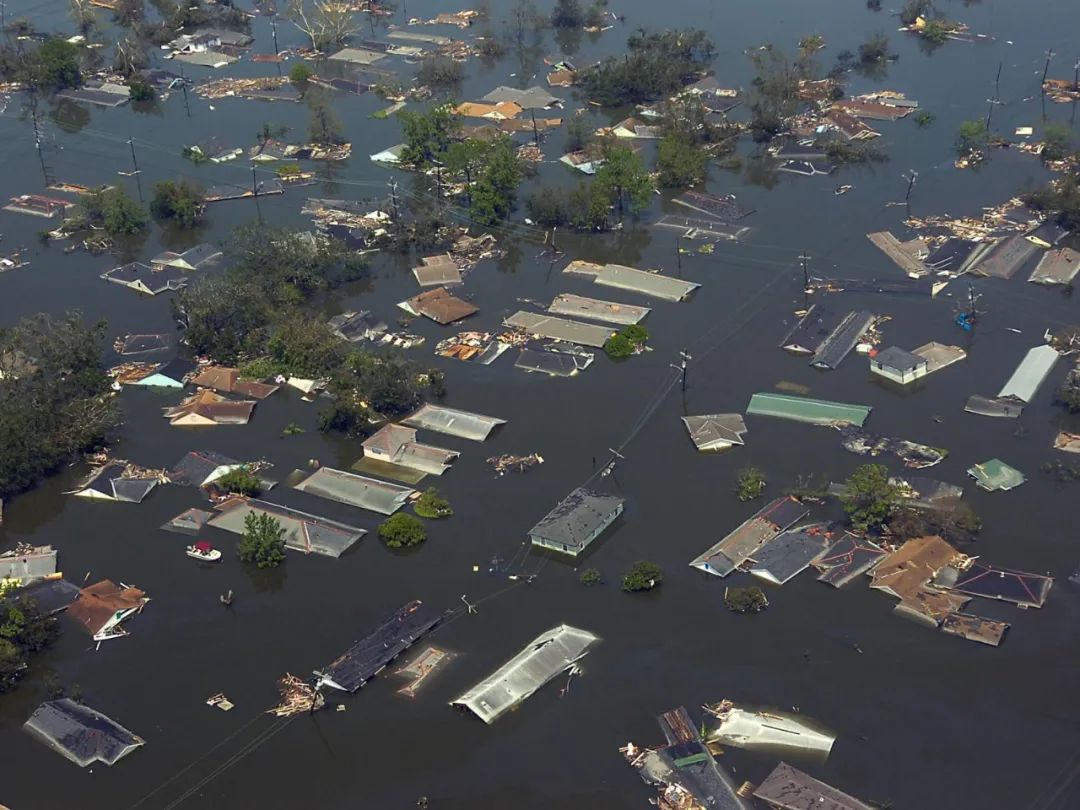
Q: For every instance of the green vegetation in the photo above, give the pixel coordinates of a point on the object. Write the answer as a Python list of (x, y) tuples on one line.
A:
[(870, 497), (568, 14), (875, 50), (971, 137), (924, 118), (241, 481), (24, 630), (642, 576), (913, 9), (584, 208), (749, 484), (291, 429), (55, 399), (750, 599), (811, 43), (936, 31), (55, 66), (440, 73), (655, 66), (579, 134), (624, 180), (111, 210), (324, 127), (1061, 198), (680, 161), (299, 73), (141, 91), (402, 531), (840, 150), (1069, 392), (263, 541), (180, 203), (492, 197), (626, 341), (1057, 142), (432, 505), (590, 577), (775, 92), (428, 135), (957, 523)]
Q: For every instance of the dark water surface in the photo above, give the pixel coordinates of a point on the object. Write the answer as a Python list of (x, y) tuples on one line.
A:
[(923, 720)]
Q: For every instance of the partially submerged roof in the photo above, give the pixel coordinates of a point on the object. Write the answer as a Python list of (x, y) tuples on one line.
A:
[(547, 655), (227, 380), (356, 56), (975, 628), (789, 554), (356, 326), (995, 474), (49, 595), (146, 279), (191, 259), (813, 328), (112, 482), (1056, 267), (103, 604), (26, 564), (804, 409), (903, 572), (1005, 257), (838, 344), (939, 355), (367, 657), (788, 788), (741, 728), (532, 98), (741, 543), (576, 518), (1025, 590), (597, 310), (715, 431), (453, 422), (999, 408), (437, 271), (654, 284), (1031, 372), (356, 490), (897, 359), (845, 559), (439, 305), (200, 467), (80, 733), (190, 521), (208, 408), (553, 362), (552, 328), (303, 532)]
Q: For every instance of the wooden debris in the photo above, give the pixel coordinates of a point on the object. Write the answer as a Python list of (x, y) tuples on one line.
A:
[(296, 697)]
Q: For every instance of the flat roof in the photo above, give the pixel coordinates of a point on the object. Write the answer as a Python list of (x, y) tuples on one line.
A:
[(788, 788), (1031, 372), (552, 328)]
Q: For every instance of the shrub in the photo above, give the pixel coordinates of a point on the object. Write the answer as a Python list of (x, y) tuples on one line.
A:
[(402, 531), (300, 73), (642, 576), (590, 577), (749, 484), (432, 505), (241, 481), (141, 91), (745, 600)]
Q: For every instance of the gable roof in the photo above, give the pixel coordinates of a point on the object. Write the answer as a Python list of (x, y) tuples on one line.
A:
[(440, 306), (576, 517), (715, 431), (99, 604), (905, 571)]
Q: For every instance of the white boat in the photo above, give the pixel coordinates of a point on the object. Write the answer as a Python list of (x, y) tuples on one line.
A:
[(204, 551)]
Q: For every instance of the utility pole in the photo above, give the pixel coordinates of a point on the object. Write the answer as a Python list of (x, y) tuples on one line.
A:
[(183, 86), (37, 137), (393, 198), (804, 257), (678, 254), (536, 132), (912, 177), (1046, 67), (685, 357), (1076, 76), (273, 27), (255, 193), (135, 165)]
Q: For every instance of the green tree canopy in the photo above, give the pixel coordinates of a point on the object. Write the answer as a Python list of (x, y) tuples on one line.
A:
[(624, 180), (402, 531), (55, 66), (432, 505), (655, 65), (178, 202), (642, 576), (681, 161), (112, 210), (263, 541), (869, 498), (428, 135)]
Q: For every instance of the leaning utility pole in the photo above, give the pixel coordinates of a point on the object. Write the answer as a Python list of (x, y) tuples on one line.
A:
[(1046, 67), (912, 177), (135, 165), (393, 198)]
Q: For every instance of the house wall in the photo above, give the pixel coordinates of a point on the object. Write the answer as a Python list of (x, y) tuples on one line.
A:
[(898, 376), (574, 551)]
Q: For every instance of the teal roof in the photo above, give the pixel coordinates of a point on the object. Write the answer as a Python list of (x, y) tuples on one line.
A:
[(159, 381), (803, 409), (995, 474)]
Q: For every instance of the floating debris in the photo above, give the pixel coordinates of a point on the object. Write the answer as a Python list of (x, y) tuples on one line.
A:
[(511, 463), (297, 697)]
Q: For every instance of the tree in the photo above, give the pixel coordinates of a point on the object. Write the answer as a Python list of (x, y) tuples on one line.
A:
[(568, 14), (869, 498), (1061, 198), (642, 576), (655, 66), (493, 197), (141, 91), (875, 50), (1069, 392), (345, 415), (971, 137), (618, 346), (112, 210), (957, 523), (440, 73), (745, 600), (590, 577), (84, 17), (432, 505), (325, 22), (624, 180), (579, 134), (299, 73), (913, 9), (263, 541), (55, 400), (427, 135), (1056, 142), (324, 127), (55, 66), (680, 161), (241, 481), (402, 531), (181, 203), (466, 158), (749, 484), (775, 94), (24, 630)]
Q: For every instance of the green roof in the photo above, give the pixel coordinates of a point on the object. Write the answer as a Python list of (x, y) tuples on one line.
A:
[(804, 409), (996, 474)]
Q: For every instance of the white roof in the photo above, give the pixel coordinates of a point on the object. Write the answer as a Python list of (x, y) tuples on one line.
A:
[(453, 422), (1029, 375), (628, 278), (550, 653)]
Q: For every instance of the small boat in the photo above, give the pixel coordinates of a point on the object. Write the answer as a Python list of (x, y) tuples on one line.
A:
[(842, 190), (204, 551)]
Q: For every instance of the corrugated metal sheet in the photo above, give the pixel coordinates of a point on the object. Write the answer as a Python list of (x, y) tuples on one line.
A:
[(1030, 374), (654, 284), (803, 409)]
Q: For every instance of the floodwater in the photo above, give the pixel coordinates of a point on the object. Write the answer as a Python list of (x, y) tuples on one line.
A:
[(923, 720)]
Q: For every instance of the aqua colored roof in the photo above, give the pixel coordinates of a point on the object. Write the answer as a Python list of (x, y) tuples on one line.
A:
[(803, 409), (996, 474)]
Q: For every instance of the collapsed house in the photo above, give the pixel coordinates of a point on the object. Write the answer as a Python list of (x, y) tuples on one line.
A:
[(303, 532), (100, 608), (546, 656), (200, 468), (907, 573), (576, 521), (553, 361), (81, 734), (752, 730), (357, 326), (367, 657), (741, 543), (117, 481), (146, 279), (685, 770), (864, 443)]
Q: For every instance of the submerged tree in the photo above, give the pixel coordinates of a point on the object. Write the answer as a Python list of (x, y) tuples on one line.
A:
[(428, 135), (431, 504), (24, 630), (178, 202), (681, 161), (263, 541), (642, 576), (869, 498), (325, 22), (656, 65), (624, 179), (112, 210), (324, 127), (775, 94), (402, 531)]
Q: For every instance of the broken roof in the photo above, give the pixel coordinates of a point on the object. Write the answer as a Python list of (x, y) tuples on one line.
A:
[(597, 310), (903, 572), (939, 355), (577, 517), (27, 563), (741, 543), (200, 467), (439, 305), (788, 788), (975, 628), (995, 474), (789, 553), (813, 328), (146, 279), (1031, 372), (1025, 590), (1005, 257), (548, 326), (102, 604), (453, 422), (356, 326), (555, 363), (208, 408), (356, 490), (654, 284), (367, 657), (839, 343), (804, 409), (1056, 267), (434, 273), (845, 559), (80, 733), (532, 98), (227, 380), (111, 482), (191, 259), (547, 655), (303, 532), (715, 431)]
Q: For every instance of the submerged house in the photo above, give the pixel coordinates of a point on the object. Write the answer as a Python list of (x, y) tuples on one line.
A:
[(303, 532), (112, 482), (560, 329), (356, 490), (741, 728), (453, 422), (25, 564), (804, 409), (227, 381), (357, 326), (576, 521), (717, 431), (597, 310), (439, 305), (396, 444), (996, 475), (206, 408), (101, 607), (191, 259), (367, 657), (741, 543), (1029, 375), (907, 573), (146, 279), (546, 656), (898, 365), (81, 734), (201, 467), (789, 554), (845, 559), (788, 788), (654, 284)]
